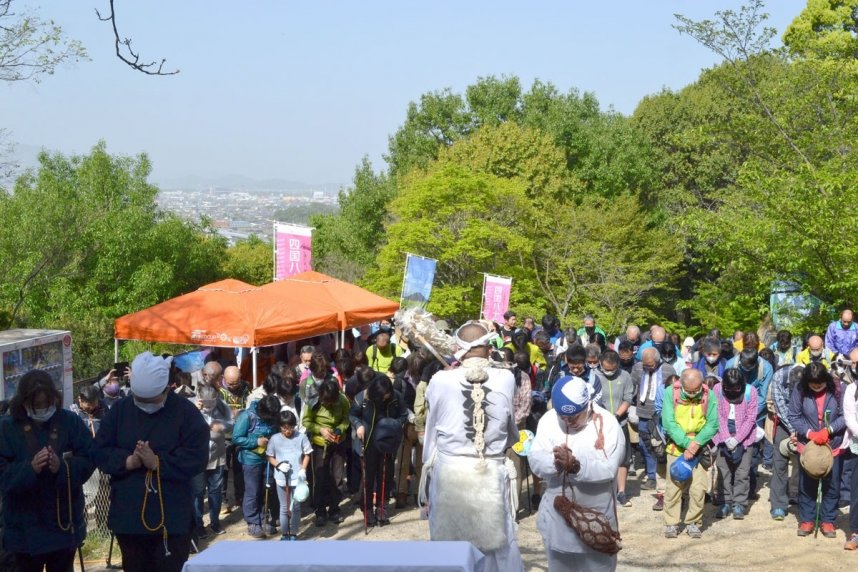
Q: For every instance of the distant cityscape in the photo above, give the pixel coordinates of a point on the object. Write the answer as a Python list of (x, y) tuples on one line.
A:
[(240, 211)]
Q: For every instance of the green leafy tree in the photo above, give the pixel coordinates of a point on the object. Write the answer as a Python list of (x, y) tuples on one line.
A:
[(825, 29), (471, 223), (30, 48), (84, 243), (795, 117), (345, 244), (250, 260)]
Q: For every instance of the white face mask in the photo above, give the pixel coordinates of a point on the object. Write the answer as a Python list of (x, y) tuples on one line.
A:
[(712, 360), (41, 415), (149, 408)]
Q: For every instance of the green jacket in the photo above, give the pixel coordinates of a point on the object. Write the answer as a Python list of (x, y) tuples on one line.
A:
[(322, 417)]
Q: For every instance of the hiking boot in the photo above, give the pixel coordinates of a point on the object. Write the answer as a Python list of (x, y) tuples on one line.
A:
[(738, 512), (284, 537), (805, 528), (268, 529), (722, 511), (226, 509), (336, 518), (623, 500), (659, 502), (828, 530), (201, 532), (217, 530), (778, 514), (382, 519), (401, 500), (693, 531), (648, 485), (320, 520), (255, 531), (852, 542), (671, 531)]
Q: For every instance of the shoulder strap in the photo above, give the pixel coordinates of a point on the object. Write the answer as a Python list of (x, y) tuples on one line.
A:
[(374, 356)]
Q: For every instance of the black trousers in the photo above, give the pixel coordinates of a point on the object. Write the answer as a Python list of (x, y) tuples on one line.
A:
[(57, 561), (379, 475), (233, 467), (145, 552)]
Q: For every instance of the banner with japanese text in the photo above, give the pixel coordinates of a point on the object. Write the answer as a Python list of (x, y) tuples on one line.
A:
[(417, 284), (496, 291), (292, 250)]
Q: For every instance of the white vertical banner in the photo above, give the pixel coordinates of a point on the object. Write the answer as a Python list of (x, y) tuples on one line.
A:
[(496, 290), (293, 252)]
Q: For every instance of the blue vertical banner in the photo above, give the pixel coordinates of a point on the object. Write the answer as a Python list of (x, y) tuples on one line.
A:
[(417, 284), (789, 305)]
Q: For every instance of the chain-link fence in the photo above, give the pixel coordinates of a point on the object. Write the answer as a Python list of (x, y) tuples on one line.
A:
[(97, 503)]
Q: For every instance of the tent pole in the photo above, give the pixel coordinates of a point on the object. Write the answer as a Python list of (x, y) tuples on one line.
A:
[(115, 350), (253, 352)]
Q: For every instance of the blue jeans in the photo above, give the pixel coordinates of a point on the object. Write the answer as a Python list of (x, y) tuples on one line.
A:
[(648, 454), (289, 525), (253, 504), (213, 479), (807, 490)]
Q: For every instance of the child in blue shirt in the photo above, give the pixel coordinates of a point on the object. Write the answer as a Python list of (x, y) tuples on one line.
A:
[(289, 453)]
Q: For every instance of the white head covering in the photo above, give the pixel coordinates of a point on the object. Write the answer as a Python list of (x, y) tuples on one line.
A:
[(689, 341), (149, 375)]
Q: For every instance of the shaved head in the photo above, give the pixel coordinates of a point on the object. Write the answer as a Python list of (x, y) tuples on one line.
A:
[(691, 379), (658, 334), (815, 343), (212, 372)]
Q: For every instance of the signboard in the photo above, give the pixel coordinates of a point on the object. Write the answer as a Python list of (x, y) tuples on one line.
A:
[(417, 284), (292, 250), (496, 291)]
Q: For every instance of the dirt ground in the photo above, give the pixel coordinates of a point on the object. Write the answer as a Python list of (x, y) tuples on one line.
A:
[(755, 543)]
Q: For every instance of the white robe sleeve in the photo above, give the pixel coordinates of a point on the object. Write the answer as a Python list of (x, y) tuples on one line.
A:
[(597, 465), (431, 419)]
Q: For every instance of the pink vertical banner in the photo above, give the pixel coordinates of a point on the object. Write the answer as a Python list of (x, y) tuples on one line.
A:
[(292, 250), (496, 291)]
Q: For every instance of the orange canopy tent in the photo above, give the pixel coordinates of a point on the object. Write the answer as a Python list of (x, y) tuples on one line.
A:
[(354, 305), (229, 313)]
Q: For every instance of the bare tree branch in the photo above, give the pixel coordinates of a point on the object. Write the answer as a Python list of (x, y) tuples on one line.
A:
[(132, 58)]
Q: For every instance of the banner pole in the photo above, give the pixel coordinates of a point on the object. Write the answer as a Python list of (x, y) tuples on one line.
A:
[(483, 301), (274, 279), (404, 276)]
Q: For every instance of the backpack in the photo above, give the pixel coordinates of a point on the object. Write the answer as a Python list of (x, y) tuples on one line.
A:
[(706, 453), (704, 401), (374, 360)]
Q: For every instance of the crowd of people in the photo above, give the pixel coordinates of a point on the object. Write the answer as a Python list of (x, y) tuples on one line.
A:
[(387, 422)]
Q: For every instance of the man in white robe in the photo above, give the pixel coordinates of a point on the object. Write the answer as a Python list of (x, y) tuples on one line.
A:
[(566, 443), (469, 427)]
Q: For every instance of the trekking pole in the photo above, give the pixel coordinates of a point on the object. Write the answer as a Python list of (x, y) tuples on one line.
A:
[(381, 507), (80, 558), (363, 486), (819, 488), (288, 491), (267, 488)]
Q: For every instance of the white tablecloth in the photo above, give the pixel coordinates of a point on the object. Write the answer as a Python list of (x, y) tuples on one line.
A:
[(337, 555)]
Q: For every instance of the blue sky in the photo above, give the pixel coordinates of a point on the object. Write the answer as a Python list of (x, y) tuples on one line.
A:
[(302, 90)]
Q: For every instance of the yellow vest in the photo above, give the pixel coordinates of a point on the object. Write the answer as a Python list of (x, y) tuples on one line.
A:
[(690, 417)]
